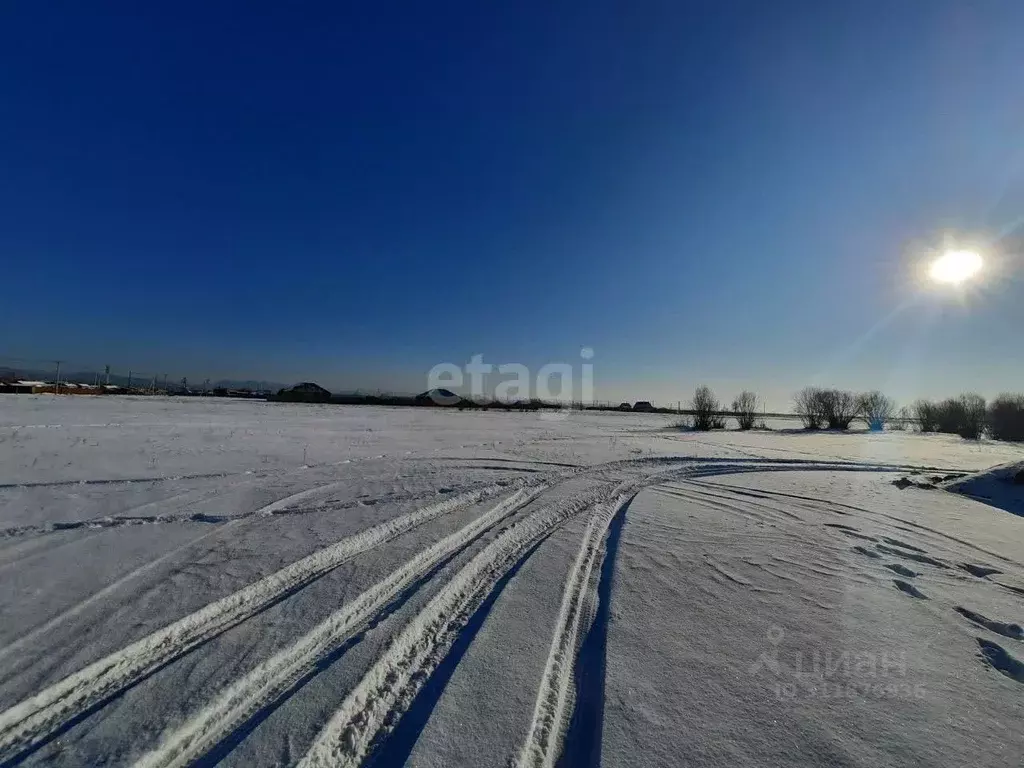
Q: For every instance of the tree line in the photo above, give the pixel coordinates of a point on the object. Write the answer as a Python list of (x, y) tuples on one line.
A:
[(967, 415)]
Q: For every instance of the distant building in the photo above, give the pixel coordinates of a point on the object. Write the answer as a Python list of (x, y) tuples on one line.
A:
[(625, 407), (74, 388), (644, 406), (304, 392), (438, 396), (22, 387)]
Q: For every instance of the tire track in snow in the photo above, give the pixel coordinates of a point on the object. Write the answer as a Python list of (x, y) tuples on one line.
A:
[(748, 512), (30, 723), (99, 595), (553, 707), (201, 495), (281, 506), (118, 481), (267, 683), (41, 550), (123, 520), (165, 478), (131, 516), (274, 508), (38, 718), (374, 706)]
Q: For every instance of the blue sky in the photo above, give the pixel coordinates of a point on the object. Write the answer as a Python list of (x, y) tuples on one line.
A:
[(718, 192)]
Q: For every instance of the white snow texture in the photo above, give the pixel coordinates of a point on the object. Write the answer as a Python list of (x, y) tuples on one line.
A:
[(197, 582)]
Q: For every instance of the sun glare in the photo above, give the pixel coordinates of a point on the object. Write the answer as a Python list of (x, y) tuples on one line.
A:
[(955, 267)]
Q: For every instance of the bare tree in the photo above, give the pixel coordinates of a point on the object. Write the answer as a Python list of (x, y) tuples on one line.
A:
[(745, 409), (1006, 417), (927, 414), (949, 415), (964, 415), (975, 416), (705, 408), (876, 409), (839, 407), (808, 405), (902, 419)]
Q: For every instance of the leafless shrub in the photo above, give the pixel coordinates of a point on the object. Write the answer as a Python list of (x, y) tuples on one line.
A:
[(839, 407), (705, 408), (964, 415), (949, 415), (927, 415), (1006, 417), (902, 418), (744, 407), (975, 416), (808, 405), (876, 409)]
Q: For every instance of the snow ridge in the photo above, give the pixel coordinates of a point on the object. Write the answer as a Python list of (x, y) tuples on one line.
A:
[(552, 710), (34, 719), (376, 703), (268, 681)]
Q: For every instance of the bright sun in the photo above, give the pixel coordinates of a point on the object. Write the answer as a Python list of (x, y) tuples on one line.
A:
[(955, 267)]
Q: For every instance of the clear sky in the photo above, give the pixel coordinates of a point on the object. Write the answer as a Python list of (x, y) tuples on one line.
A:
[(719, 192)]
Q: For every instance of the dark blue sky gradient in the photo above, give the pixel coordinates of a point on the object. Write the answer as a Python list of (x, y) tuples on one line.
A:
[(716, 192)]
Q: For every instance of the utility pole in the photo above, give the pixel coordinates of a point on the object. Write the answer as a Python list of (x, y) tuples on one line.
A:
[(165, 383), (106, 373), (206, 387), (129, 380), (56, 383), (152, 387)]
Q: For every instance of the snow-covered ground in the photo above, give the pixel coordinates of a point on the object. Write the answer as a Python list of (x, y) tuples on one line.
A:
[(196, 581)]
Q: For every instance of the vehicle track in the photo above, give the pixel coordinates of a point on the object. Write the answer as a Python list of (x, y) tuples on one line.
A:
[(378, 701), (133, 515), (374, 707), (281, 506), (266, 683), (26, 725), (380, 698), (129, 514), (120, 481), (92, 599), (554, 705), (552, 710)]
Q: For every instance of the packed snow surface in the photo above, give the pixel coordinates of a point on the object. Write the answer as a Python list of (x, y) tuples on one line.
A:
[(193, 582)]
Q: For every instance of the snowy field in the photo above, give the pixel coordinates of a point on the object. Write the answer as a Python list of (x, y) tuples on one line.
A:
[(192, 582)]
